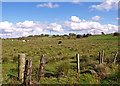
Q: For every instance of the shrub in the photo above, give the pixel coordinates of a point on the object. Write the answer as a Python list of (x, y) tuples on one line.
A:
[(42, 35), (89, 34), (78, 36), (65, 35), (46, 35), (30, 36), (72, 34), (85, 35), (64, 67), (116, 34), (102, 70)]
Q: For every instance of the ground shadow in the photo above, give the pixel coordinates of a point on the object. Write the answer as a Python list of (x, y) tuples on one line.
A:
[(72, 58), (51, 75), (73, 62)]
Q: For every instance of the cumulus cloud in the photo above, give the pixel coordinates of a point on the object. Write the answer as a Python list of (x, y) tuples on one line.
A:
[(75, 19), (90, 27), (107, 5), (49, 4), (55, 27), (27, 28), (73, 24), (97, 18)]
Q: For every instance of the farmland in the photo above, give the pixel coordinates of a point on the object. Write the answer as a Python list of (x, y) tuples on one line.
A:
[(60, 67)]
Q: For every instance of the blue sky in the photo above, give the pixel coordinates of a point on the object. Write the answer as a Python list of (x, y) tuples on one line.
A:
[(55, 14), (20, 11)]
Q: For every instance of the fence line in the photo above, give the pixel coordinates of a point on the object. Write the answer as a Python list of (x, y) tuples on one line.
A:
[(25, 70), (28, 72), (21, 67)]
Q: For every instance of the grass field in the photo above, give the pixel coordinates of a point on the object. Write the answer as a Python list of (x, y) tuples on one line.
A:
[(61, 59)]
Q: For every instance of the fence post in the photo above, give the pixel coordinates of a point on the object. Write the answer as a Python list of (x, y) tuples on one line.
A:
[(99, 57), (78, 65), (42, 66), (102, 56), (21, 66), (114, 61), (28, 71)]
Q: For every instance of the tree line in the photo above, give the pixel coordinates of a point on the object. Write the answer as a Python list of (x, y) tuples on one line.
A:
[(70, 35)]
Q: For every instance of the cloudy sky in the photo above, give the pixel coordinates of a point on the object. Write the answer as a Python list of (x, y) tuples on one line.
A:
[(34, 18)]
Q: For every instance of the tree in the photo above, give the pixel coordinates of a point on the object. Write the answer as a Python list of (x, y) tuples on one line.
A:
[(89, 34), (30, 36), (46, 35), (78, 36), (85, 35), (42, 35)]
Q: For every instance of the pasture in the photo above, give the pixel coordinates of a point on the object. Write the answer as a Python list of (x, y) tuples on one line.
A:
[(60, 66)]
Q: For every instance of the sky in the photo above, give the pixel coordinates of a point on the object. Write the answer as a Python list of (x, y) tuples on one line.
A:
[(34, 18)]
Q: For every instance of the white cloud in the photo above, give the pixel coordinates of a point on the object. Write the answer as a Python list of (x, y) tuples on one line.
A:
[(25, 24), (36, 27), (107, 5), (75, 19), (27, 28), (97, 18), (49, 4), (90, 27), (55, 27)]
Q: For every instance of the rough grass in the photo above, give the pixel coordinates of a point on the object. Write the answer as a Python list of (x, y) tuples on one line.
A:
[(88, 49)]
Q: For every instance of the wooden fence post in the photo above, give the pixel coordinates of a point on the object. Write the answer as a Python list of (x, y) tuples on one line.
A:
[(114, 61), (21, 67), (99, 57), (102, 56), (78, 65), (28, 71), (42, 66)]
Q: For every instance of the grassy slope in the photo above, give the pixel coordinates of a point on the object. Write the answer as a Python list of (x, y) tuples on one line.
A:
[(33, 49)]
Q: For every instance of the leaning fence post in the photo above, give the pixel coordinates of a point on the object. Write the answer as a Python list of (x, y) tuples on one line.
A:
[(99, 57), (42, 66), (102, 56), (114, 61), (78, 65), (21, 66), (28, 71)]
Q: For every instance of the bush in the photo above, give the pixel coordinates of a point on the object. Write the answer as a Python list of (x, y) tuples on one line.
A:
[(78, 36), (64, 68), (72, 34), (46, 35), (85, 35), (102, 70), (42, 35), (116, 34), (30, 36), (89, 34)]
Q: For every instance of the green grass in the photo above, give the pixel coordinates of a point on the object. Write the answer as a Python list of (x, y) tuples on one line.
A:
[(57, 55)]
